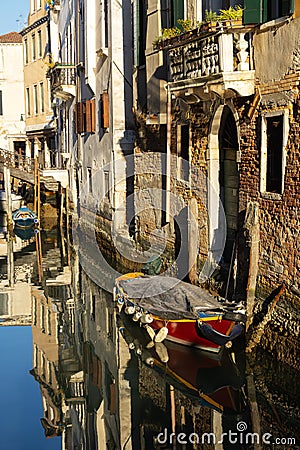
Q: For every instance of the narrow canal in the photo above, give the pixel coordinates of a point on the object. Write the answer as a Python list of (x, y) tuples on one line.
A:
[(76, 373)]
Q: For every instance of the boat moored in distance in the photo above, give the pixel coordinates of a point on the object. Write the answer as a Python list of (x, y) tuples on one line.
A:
[(180, 312), (24, 218)]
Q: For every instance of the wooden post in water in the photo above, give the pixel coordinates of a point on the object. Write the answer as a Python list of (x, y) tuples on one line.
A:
[(35, 185), (10, 248), (193, 237), (67, 223), (251, 227)]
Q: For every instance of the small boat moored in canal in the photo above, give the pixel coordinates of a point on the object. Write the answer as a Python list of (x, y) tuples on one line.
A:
[(180, 312), (24, 218), (213, 378)]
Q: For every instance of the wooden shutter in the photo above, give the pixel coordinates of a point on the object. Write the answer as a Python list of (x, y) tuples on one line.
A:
[(113, 399), (83, 109), (92, 115), (178, 11), (88, 116), (288, 7), (79, 117), (104, 110), (253, 11)]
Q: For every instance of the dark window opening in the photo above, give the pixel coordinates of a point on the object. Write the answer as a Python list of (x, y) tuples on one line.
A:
[(183, 153), (1, 104), (106, 23), (274, 154), (90, 180), (93, 307)]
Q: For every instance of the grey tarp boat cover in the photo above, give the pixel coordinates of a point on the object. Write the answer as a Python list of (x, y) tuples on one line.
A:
[(169, 298)]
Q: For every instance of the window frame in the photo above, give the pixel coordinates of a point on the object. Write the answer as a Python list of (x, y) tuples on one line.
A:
[(40, 44), (28, 102), (26, 54), (180, 169), (33, 42), (264, 149), (35, 99), (42, 97)]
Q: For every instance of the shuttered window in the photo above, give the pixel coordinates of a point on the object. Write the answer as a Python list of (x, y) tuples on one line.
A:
[(259, 11), (85, 118), (104, 105), (178, 11)]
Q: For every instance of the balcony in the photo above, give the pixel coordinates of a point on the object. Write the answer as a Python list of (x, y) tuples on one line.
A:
[(219, 62), (63, 81)]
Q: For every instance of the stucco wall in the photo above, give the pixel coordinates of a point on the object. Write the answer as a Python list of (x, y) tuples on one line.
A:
[(281, 44)]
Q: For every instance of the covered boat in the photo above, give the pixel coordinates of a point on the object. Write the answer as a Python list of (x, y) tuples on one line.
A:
[(180, 312), (212, 378), (24, 218)]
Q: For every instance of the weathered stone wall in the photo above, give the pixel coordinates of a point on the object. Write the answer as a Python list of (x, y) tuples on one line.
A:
[(279, 218)]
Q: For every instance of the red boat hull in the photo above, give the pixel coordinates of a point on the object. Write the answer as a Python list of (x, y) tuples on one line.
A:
[(187, 332)]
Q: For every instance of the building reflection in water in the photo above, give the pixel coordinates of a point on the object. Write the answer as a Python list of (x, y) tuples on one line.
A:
[(103, 389)]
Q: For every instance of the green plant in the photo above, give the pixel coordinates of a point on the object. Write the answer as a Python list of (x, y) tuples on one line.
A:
[(210, 16), (167, 33), (186, 25), (235, 13)]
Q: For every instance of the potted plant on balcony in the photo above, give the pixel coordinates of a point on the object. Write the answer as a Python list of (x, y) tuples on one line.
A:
[(211, 20), (231, 16)]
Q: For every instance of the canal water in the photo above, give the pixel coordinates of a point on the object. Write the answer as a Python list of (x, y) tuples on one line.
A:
[(76, 372)]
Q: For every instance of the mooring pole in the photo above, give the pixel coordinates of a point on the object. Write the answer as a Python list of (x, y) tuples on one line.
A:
[(10, 248)]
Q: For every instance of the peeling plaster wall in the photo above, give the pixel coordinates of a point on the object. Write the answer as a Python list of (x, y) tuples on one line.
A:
[(282, 45)]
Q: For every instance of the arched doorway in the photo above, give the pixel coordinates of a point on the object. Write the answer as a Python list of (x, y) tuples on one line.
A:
[(229, 179)]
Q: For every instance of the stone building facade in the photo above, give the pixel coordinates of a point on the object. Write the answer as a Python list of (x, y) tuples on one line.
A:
[(235, 120)]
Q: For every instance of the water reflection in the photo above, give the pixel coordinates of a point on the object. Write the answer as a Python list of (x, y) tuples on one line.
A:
[(102, 388)]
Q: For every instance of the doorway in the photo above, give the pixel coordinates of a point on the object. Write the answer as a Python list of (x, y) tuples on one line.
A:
[(229, 179)]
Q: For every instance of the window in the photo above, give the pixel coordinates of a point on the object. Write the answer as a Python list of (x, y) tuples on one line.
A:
[(106, 23), (85, 116), (273, 154), (183, 146), (39, 4), (177, 11), (40, 47), (106, 185), (139, 39), (33, 47), (259, 11), (48, 322), (26, 51), (104, 110), (90, 180), (35, 95), (42, 97), (32, 6), (93, 307), (28, 102), (1, 104)]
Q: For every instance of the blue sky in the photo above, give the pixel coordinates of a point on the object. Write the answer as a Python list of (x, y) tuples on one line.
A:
[(11, 12)]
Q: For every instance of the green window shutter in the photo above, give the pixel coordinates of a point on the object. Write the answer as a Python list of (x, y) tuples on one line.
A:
[(178, 10), (288, 7), (253, 11)]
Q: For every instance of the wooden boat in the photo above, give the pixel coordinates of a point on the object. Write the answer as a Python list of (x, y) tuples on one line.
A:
[(179, 312), (213, 378), (24, 218)]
